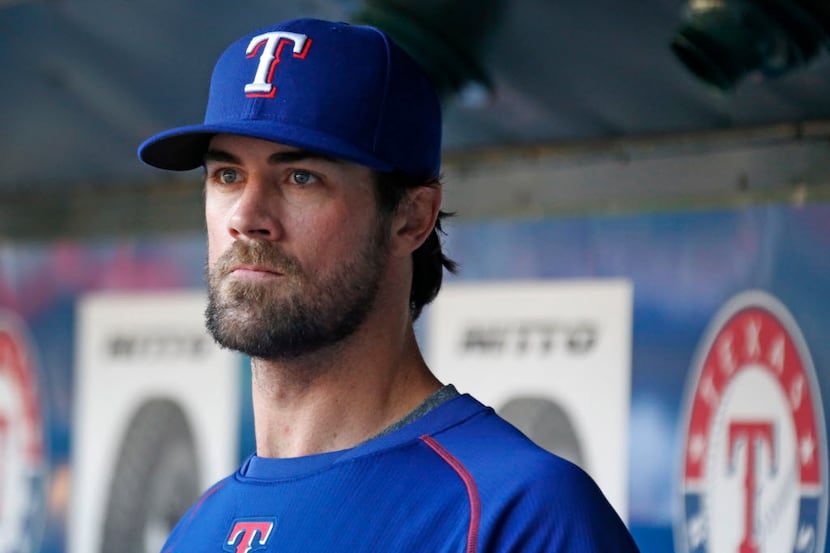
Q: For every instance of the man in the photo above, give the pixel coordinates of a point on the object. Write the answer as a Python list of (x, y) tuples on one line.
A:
[(321, 149)]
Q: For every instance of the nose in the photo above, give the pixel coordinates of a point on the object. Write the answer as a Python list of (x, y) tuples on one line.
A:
[(255, 214)]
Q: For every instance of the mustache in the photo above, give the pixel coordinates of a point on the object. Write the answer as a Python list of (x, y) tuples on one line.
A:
[(266, 255)]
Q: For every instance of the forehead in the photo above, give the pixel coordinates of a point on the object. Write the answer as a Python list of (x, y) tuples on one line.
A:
[(232, 147), (239, 142)]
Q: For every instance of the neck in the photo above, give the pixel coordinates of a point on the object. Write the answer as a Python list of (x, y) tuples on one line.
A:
[(338, 398)]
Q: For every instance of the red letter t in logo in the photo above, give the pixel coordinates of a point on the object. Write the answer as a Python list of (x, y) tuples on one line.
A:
[(248, 535), (755, 436)]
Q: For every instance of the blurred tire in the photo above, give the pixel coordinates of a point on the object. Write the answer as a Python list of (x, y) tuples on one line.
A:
[(155, 480), (546, 423)]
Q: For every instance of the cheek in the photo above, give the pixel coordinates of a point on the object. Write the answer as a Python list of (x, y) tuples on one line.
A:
[(214, 251), (318, 240), (327, 239), (217, 235)]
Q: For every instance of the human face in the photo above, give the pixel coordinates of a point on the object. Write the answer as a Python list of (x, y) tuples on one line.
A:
[(296, 247)]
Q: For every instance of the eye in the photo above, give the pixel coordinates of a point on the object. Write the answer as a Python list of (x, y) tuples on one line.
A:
[(302, 177), (228, 176)]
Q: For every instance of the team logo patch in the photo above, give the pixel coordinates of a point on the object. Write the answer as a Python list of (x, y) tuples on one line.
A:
[(754, 467), (247, 535), (22, 466)]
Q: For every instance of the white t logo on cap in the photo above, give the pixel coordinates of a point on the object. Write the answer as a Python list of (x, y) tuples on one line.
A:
[(269, 58)]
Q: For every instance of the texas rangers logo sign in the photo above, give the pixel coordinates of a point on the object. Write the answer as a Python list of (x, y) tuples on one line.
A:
[(21, 442), (249, 535), (754, 467)]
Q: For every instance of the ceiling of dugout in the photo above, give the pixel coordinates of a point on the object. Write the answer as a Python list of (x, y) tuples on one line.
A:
[(85, 81)]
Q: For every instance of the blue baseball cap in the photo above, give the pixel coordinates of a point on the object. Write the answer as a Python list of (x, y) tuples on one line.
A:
[(343, 90)]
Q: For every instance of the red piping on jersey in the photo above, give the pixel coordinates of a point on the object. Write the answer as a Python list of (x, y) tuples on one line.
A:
[(469, 483), (196, 508)]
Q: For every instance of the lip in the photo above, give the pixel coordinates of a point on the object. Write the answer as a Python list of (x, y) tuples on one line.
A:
[(254, 270)]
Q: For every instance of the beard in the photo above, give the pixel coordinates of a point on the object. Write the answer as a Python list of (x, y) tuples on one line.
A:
[(298, 313)]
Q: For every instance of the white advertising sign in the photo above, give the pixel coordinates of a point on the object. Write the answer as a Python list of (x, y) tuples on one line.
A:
[(156, 415), (552, 357)]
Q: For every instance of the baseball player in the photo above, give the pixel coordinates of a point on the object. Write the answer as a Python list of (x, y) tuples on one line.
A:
[(321, 156)]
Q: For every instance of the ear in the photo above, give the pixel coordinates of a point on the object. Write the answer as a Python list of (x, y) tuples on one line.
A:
[(415, 218)]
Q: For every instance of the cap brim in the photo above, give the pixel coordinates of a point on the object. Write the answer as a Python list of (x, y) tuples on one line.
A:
[(184, 148)]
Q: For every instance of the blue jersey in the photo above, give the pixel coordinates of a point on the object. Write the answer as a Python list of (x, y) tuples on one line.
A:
[(459, 479)]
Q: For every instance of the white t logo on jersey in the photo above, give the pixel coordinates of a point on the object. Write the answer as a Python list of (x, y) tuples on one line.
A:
[(271, 45)]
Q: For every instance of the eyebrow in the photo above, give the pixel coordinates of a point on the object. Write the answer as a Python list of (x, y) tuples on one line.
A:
[(290, 156)]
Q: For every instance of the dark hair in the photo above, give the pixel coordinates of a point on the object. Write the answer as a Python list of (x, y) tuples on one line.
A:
[(428, 261)]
